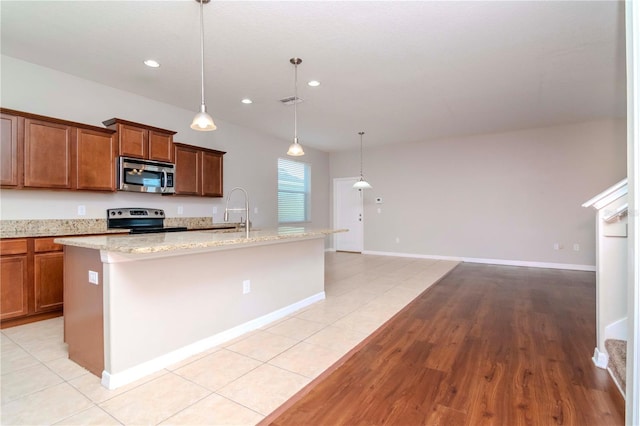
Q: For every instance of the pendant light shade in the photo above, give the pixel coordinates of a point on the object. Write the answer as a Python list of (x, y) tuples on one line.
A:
[(295, 149), (361, 184), (202, 121)]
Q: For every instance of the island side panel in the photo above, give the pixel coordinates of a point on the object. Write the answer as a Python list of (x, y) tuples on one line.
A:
[(83, 308), (156, 306)]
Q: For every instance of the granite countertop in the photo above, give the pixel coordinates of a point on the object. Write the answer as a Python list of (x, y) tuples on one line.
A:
[(175, 241), (67, 227)]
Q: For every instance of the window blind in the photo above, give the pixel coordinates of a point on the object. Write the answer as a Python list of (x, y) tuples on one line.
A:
[(294, 183)]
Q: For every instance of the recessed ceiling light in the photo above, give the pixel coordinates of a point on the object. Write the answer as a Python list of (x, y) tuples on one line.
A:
[(151, 63), (247, 101), (314, 83)]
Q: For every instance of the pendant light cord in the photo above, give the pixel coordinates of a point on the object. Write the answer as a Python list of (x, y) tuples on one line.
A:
[(361, 133), (295, 105), (202, 50)]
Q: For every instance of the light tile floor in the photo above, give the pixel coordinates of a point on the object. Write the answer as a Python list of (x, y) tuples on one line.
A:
[(239, 382)]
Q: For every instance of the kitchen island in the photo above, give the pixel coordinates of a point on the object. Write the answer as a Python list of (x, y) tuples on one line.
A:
[(135, 304)]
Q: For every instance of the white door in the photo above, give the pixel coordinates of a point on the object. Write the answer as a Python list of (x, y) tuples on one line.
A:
[(347, 213)]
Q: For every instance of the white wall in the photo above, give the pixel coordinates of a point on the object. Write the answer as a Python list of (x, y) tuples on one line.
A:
[(507, 196), (632, 17), (250, 162)]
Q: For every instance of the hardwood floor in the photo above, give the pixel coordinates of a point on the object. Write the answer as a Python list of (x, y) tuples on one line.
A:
[(486, 345)]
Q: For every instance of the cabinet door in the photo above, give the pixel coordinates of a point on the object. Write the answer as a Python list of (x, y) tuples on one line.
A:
[(211, 177), (187, 171), (47, 150), (13, 287), (160, 146), (48, 280), (95, 160), (132, 141), (10, 155)]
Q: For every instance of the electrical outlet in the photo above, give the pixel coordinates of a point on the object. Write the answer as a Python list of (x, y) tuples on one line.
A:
[(557, 246), (255, 210), (576, 247), (397, 240), (82, 210), (180, 210), (246, 286), (93, 277)]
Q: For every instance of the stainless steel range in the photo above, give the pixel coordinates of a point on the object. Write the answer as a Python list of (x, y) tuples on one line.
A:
[(139, 220)]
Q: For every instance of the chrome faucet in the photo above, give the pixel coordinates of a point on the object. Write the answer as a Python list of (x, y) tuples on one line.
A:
[(246, 209)]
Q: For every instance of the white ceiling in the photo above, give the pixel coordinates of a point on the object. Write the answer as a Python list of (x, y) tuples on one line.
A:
[(400, 71)]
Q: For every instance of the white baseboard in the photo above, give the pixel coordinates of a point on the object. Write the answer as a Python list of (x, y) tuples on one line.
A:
[(116, 380), (600, 359), (613, 377), (616, 330), (549, 265)]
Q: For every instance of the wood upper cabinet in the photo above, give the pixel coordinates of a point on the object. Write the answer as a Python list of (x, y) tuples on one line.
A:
[(161, 146), (95, 154), (211, 173), (142, 141), (47, 154), (198, 171), (10, 151), (187, 170), (132, 141)]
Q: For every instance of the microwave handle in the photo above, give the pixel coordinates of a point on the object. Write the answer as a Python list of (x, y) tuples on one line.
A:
[(164, 183)]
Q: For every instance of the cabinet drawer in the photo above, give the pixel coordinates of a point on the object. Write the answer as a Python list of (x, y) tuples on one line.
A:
[(45, 244), (18, 246)]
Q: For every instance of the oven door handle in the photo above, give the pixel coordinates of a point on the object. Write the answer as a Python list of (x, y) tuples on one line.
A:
[(164, 182)]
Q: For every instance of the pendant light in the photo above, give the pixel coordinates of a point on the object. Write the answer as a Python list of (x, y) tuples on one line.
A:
[(361, 184), (295, 149), (202, 121)]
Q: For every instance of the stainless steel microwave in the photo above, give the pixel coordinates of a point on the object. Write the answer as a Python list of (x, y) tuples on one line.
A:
[(137, 175)]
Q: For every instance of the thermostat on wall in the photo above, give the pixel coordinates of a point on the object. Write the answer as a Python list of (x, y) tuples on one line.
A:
[(378, 200)]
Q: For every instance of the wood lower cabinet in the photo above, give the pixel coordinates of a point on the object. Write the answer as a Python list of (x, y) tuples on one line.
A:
[(14, 279), (142, 141), (48, 276), (31, 280), (198, 171)]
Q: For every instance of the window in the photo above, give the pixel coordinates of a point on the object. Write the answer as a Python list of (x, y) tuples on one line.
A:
[(294, 183)]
